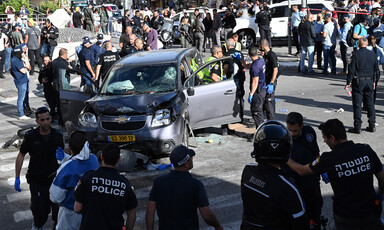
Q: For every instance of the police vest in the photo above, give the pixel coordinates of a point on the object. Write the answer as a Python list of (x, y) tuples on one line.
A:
[(194, 67), (207, 71), (237, 46)]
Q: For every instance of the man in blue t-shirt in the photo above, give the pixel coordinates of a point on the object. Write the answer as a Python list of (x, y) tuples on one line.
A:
[(257, 86), (19, 73), (177, 196), (359, 31)]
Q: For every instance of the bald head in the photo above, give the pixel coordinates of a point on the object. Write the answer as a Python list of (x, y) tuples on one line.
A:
[(108, 45), (363, 42), (132, 38), (231, 43)]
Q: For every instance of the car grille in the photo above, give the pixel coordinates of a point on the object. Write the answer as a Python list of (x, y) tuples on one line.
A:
[(125, 126), (134, 123)]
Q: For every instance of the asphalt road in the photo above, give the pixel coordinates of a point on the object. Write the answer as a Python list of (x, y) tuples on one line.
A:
[(218, 164)]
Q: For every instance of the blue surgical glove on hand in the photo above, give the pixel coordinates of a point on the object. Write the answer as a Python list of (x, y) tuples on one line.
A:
[(224, 77), (250, 99), (325, 178), (17, 184), (270, 88), (60, 154), (237, 56), (162, 167)]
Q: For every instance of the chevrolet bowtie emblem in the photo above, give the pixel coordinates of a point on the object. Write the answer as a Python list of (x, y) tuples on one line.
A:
[(122, 119)]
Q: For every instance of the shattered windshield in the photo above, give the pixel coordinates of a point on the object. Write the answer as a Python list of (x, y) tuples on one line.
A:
[(141, 79)]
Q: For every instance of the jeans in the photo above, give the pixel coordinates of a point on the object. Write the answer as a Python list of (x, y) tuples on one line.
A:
[(304, 51), (329, 54), (47, 48), (110, 26), (22, 97), (8, 52)]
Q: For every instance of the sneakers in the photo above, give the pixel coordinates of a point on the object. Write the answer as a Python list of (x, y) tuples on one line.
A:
[(24, 118), (2, 76)]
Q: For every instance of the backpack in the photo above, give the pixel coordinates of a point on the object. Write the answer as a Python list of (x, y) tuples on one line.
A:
[(350, 40)]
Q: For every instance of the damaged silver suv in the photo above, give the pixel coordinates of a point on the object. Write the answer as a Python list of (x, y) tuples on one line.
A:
[(148, 102)]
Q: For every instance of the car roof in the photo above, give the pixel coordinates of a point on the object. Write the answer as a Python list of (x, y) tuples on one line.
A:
[(154, 57), (298, 2)]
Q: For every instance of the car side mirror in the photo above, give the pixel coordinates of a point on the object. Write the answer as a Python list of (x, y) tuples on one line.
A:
[(191, 91)]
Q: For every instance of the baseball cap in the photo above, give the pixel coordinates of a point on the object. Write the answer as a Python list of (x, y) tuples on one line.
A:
[(31, 21), (109, 8), (5, 24), (180, 155), (327, 16), (345, 15), (86, 40), (18, 25), (100, 37)]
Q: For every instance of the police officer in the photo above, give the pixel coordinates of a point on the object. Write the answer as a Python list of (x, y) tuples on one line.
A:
[(41, 143), (257, 86), (305, 150), (233, 68), (98, 48), (95, 199), (362, 73), (350, 168), (270, 199), (263, 19), (271, 74), (214, 72), (89, 19), (107, 59), (179, 211), (87, 62)]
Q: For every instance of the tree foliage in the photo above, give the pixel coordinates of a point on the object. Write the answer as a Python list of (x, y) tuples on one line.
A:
[(16, 4)]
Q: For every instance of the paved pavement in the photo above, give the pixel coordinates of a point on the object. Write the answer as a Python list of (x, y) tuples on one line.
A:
[(218, 164)]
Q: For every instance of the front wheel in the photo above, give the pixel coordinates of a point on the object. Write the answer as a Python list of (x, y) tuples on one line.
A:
[(247, 39)]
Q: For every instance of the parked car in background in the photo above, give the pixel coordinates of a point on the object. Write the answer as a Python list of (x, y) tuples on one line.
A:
[(148, 102), (248, 29)]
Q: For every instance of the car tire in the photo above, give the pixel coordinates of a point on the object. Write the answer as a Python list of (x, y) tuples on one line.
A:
[(246, 39), (185, 137)]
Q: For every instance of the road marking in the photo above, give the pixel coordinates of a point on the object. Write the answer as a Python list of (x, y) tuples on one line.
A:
[(10, 167), (22, 216), (8, 155), (23, 195)]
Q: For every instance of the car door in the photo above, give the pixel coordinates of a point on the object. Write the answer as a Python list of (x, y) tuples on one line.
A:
[(211, 104), (279, 22), (72, 95)]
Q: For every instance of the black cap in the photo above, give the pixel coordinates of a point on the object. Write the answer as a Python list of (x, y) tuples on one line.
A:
[(100, 37), (180, 155)]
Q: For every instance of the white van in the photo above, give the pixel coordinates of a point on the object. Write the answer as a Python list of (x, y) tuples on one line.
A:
[(248, 30)]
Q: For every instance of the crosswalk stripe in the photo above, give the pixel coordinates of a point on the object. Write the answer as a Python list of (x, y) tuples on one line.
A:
[(23, 195), (8, 155), (9, 167), (22, 216)]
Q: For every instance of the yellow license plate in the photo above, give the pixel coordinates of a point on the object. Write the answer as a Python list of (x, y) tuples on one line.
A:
[(122, 138)]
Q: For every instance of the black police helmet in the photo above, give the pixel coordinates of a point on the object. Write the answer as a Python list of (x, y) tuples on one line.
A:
[(272, 143)]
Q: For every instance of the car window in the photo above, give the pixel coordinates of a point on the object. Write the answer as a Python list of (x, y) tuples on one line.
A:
[(317, 7), (279, 12), (184, 74), (194, 60), (141, 79), (176, 18)]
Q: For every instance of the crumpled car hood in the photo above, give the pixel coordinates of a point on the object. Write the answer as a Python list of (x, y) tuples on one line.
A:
[(130, 104)]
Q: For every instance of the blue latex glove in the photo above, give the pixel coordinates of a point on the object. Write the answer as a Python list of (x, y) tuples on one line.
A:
[(224, 77), (237, 56), (250, 99), (325, 178), (270, 88), (162, 167), (60, 154), (17, 184)]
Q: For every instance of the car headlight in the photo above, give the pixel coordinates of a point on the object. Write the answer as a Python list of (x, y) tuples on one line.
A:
[(88, 119), (162, 117)]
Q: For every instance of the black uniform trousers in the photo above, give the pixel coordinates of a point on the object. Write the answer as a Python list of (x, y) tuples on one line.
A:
[(269, 103), (295, 32), (265, 33), (48, 95), (2, 60), (41, 205), (343, 52), (319, 52), (240, 92), (363, 89), (32, 54), (55, 99), (257, 107)]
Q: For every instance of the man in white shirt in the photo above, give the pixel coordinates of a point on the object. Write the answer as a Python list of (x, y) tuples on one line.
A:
[(3, 41)]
